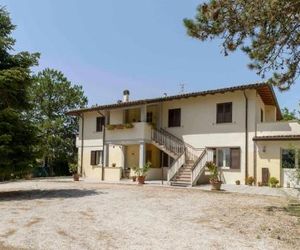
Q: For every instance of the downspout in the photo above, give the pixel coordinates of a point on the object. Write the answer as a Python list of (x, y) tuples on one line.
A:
[(82, 142), (246, 136), (255, 148), (103, 146)]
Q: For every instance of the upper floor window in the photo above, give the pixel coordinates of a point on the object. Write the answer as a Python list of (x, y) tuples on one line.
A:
[(100, 122), (261, 115), (149, 117), (174, 118), (224, 112)]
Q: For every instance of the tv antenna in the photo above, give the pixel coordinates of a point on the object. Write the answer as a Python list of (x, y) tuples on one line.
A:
[(182, 88)]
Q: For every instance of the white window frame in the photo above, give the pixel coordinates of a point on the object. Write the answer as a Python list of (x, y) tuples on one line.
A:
[(224, 158)]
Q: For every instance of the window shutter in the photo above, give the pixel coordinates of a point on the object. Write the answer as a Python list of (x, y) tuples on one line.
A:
[(235, 155), (93, 157)]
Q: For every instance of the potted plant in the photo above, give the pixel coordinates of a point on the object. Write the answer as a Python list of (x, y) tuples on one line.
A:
[(250, 180), (119, 126), (110, 127), (141, 172), (113, 165), (214, 177), (134, 176), (128, 125), (273, 182), (238, 182), (73, 168)]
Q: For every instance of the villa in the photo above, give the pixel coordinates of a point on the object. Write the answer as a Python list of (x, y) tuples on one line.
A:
[(239, 128)]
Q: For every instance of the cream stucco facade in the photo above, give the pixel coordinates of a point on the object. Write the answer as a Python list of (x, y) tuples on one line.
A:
[(253, 116)]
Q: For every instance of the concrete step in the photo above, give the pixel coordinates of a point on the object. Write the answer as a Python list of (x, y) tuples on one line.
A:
[(180, 184)]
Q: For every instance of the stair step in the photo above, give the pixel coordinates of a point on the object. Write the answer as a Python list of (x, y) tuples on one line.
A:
[(180, 184)]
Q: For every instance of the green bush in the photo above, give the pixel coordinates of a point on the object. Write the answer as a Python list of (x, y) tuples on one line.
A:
[(273, 182)]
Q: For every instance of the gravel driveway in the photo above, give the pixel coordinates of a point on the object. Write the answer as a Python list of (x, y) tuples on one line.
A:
[(55, 214)]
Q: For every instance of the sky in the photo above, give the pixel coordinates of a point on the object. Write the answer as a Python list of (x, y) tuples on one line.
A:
[(108, 46)]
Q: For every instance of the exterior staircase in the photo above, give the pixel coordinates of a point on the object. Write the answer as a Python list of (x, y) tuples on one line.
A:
[(189, 162)]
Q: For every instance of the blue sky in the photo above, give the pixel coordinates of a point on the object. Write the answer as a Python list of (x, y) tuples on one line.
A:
[(108, 46)]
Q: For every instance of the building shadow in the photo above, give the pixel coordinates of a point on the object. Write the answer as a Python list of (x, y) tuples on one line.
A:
[(46, 194)]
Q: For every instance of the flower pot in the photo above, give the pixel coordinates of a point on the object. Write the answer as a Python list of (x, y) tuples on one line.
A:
[(134, 178), (141, 179), (76, 177), (216, 185)]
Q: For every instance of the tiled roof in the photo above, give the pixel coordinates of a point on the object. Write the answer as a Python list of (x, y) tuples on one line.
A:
[(265, 90), (277, 138)]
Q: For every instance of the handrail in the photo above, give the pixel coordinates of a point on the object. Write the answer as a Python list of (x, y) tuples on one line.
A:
[(199, 166), (169, 142), (177, 164)]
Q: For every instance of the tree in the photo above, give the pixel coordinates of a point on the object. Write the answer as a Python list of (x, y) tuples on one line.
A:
[(288, 115), (52, 96), (267, 31), (17, 134)]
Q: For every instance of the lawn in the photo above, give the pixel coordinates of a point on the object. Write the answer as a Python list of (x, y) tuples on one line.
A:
[(55, 214)]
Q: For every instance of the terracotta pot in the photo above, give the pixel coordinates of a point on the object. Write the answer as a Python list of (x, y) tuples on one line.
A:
[(134, 178), (141, 179), (216, 185), (76, 177)]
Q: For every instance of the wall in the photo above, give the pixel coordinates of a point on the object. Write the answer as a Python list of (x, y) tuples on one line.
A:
[(271, 159), (155, 155), (132, 156), (199, 128)]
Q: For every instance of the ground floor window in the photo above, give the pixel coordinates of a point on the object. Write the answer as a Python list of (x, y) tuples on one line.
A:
[(96, 157), (229, 158), (290, 158)]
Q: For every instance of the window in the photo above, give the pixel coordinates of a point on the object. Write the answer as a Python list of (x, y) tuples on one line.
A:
[(228, 157), (261, 115), (224, 112), (96, 157), (149, 117), (100, 122), (174, 118), (288, 158), (223, 156)]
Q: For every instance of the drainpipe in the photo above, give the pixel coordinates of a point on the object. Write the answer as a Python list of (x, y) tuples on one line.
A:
[(82, 142), (246, 136), (103, 145)]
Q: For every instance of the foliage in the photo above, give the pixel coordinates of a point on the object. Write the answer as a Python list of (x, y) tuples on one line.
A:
[(250, 180), (73, 168), (128, 125), (17, 134), (289, 115), (238, 182), (273, 181), (214, 172), (52, 95), (267, 31), (142, 171)]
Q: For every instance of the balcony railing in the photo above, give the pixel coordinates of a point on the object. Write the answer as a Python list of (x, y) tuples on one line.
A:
[(119, 133)]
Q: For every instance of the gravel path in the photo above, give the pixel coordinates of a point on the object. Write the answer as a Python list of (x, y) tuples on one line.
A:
[(52, 214)]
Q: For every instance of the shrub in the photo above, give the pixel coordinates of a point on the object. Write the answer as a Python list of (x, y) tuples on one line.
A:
[(273, 182), (250, 180), (142, 171), (73, 168), (110, 127), (128, 125)]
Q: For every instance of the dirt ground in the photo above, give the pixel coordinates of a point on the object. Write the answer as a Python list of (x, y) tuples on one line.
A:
[(54, 214)]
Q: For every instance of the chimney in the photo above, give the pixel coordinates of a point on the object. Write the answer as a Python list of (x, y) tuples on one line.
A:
[(126, 95)]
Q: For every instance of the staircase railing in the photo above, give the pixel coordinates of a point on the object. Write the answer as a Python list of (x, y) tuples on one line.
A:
[(170, 142), (177, 164), (199, 165)]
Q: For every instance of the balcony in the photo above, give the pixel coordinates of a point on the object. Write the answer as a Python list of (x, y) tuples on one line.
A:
[(278, 128), (120, 134)]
